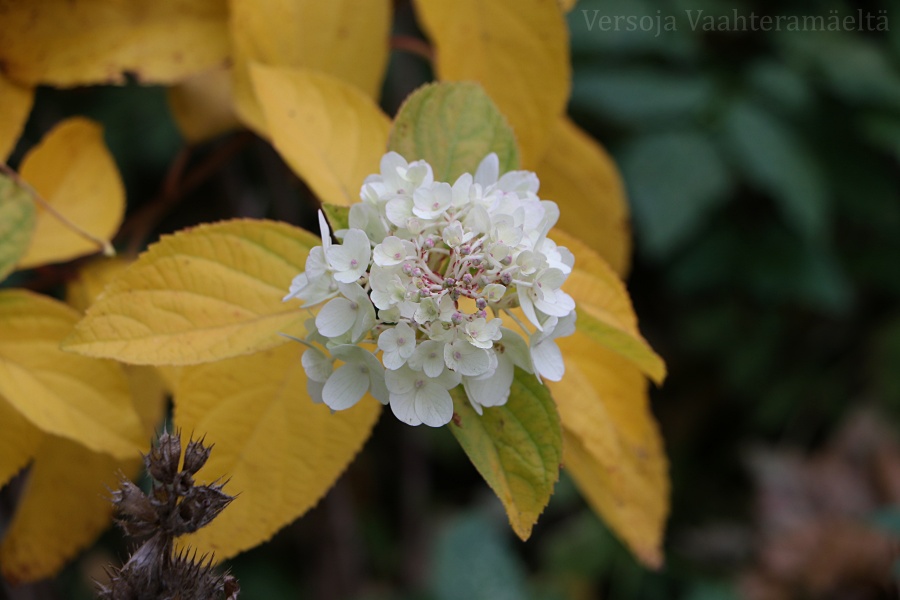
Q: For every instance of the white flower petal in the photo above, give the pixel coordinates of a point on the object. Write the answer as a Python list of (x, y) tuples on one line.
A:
[(346, 386), (488, 170), (398, 211), (317, 366), (324, 231), (466, 359), (429, 358), (400, 381), (515, 348), (433, 405), (404, 407), (548, 360), (336, 318), (527, 306), (492, 390), (314, 389)]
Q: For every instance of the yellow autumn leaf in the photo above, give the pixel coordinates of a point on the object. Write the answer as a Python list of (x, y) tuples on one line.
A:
[(148, 395), (65, 44), (612, 446), (66, 501), (75, 173), (343, 38), (567, 5), (17, 101), (66, 475), (64, 506), (92, 277), (148, 386), (329, 132), (202, 294), (604, 308), (19, 440), (279, 451), (71, 396), (518, 51), (202, 104), (578, 174)]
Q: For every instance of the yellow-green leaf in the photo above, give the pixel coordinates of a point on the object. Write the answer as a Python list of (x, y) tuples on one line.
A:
[(202, 294), (64, 43), (17, 101), (453, 126), (202, 104), (19, 440), (343, 38), (63, 394), (516, 447), (604, 308), (338, 216), (578, 174), (17, 218), (613, 448), (72, 170), (279, 451), (518, 50), (329, 132)]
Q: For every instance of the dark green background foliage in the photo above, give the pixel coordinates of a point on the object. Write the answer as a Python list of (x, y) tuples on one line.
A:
[(762, 171)]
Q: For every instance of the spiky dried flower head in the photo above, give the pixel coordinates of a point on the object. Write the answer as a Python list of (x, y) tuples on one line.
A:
[(174, 506)]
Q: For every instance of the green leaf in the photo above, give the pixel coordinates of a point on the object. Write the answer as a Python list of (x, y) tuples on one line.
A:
[(777, 162), (641, 96), (338, 216), (473, 560), (594, 40), (781, 86), (675, 180), (882, 130), (453, 126), (17, 218), (856, 68), (516, 447), (886, 520)]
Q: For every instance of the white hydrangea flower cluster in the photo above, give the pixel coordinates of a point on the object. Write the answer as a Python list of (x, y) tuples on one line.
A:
[(424, 276)]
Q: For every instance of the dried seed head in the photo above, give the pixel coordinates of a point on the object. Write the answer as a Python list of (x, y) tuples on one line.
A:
[(137, 514), (174, 506), (200, 507), (195, 456), (162, 462)]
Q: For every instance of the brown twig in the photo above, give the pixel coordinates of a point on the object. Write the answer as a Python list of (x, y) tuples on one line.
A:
[(413, 45), (175, 187), (102, 244)]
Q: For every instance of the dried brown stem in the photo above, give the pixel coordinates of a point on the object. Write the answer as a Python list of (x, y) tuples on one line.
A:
[(413, 45), (175, 187)]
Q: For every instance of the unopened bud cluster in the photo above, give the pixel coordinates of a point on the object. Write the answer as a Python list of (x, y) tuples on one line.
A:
[(423, 278), (174, 506)]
